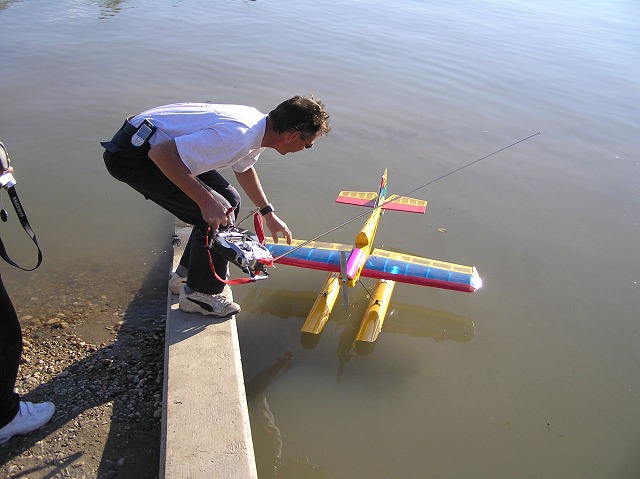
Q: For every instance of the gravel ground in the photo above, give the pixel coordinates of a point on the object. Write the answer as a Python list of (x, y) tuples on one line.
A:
[(101, 363)]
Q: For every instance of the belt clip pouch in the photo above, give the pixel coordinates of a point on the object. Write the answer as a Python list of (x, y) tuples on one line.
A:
[(143, 133)]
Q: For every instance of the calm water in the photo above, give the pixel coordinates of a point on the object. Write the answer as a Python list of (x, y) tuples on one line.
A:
[(536, 375)]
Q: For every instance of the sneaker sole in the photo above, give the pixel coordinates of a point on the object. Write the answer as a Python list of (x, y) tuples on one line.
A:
[(189, 305)]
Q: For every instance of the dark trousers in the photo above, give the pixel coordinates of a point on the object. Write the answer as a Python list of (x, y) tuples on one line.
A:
[(10, 352), (143, 175)]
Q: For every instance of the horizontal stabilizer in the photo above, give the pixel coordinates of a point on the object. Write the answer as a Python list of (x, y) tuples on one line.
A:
[(404, 203), (395, 203), (358, 198)]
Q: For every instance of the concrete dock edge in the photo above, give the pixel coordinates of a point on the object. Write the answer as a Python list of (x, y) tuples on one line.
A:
[(206, 432)]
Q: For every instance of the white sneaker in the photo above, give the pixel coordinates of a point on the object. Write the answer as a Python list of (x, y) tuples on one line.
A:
[(176, 282), (207, 304), (30, 417)]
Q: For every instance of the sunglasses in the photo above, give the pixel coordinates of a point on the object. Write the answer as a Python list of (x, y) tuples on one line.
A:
[(303, 137)]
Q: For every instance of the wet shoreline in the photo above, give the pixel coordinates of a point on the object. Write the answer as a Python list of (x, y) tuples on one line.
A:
[(100, 360)]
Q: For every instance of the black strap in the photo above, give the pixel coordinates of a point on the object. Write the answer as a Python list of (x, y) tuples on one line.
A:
[(267, 209), (27, 227)]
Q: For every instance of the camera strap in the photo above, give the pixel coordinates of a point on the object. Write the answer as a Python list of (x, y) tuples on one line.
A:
[(22, 216)]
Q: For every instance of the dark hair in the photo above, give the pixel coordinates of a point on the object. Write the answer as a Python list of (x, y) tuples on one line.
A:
[(300, 113)]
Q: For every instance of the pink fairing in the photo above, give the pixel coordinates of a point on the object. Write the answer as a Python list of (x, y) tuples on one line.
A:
[(356, 259)]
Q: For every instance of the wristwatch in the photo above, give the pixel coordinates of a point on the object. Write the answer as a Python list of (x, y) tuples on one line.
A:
[(267, 209)]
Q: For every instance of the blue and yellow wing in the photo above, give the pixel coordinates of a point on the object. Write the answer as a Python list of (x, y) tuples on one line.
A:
[(382, 264), (406, 268), (313, 255)]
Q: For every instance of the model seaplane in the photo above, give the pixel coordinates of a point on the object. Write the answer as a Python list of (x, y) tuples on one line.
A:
[(347, 263)]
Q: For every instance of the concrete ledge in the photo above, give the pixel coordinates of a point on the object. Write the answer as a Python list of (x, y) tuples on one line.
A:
[(205, 421)]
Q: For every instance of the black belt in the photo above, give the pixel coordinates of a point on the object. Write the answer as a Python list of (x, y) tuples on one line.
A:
[(128, 128), (121, 142)]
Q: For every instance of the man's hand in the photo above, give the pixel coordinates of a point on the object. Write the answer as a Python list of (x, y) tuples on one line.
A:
[(276, 225), (216, 214), (250, 183)]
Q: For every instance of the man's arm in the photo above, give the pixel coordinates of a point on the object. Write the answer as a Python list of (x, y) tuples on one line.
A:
[(166, 156), (250, 183)]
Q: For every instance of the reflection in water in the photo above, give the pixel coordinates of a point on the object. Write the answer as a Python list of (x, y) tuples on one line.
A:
[(409, 319), (267, 440), (4, 4), (346, 346), (109, 8), (402, 318), (428, 323)]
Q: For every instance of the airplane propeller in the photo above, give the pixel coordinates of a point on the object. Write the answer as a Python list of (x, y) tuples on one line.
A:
[(343, 279)]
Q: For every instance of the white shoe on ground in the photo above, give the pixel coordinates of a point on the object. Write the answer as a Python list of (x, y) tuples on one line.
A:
[(176, 282), (207, 304), (29, 418)]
